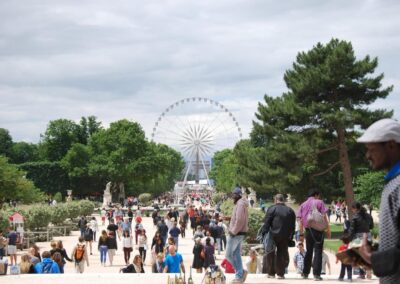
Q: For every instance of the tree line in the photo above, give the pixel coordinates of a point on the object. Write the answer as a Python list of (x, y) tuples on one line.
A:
[(85, 156)]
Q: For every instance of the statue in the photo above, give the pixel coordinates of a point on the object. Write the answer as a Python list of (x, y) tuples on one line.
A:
[(107, 199)]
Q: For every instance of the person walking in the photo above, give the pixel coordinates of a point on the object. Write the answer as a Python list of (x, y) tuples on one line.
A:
[(47, 265), (82, 225), (360, 223), (102, 247), (142, 243), (238, 228), (280, 222), (314, 238), (12, 246), (209, 251), (95, 227), (112, 247), (89, 237), (174, 232), (382, 140), (80, 256), (198, 259), (127, 245), (173, 261)]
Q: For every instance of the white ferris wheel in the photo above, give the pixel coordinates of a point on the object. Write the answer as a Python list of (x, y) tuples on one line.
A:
[(197, 128)]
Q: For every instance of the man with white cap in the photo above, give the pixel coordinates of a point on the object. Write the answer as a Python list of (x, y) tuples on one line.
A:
[(382, 140), (238, 228)]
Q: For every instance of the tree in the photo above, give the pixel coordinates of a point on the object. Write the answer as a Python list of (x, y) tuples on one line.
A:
[(368, 188), (15, 185), (224, 170), (87, 127), (22, 152), (5, 142), (58, 138), (329, 91)]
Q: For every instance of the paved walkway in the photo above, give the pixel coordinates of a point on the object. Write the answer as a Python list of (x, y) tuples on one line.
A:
[(98, 274)]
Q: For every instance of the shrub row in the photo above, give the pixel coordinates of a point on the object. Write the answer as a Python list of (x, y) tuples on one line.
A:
[(40, 216)]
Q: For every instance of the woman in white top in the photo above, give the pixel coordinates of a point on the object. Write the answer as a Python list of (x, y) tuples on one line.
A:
[(94, 226), (127, 245), (142, 243)]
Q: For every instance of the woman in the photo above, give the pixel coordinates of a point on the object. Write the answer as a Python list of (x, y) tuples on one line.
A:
[(94, 226), (209, 254), (63, 253), (57, 258), (36, 251), (25, 265), (198, 261), (142, 243), (158, 265), (360, 223), (157, 248), (127, 245), (135, 267), (88, 235), (102, 247), (112, 247)]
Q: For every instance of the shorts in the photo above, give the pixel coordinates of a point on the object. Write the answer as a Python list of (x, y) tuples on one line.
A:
[(12, 249)]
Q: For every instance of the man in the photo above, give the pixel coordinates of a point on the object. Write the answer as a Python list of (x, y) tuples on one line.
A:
[(82, 225), (47, 265), (280, 222), (314, 238), (112, 227), (3, 243), (174, 233), (12, 246), (382, 140), (298, 259), (238, 228), (163, 229), (173, 261)]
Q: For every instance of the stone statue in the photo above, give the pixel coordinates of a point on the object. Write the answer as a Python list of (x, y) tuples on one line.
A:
[(107, 198)]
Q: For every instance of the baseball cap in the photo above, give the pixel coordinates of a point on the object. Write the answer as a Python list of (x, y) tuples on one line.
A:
[(381, 131), (237, 191)]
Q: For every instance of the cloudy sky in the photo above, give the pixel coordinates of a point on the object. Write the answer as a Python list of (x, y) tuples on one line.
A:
[(131, 59)]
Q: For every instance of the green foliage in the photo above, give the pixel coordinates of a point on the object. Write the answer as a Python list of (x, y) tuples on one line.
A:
[(73, 210), (227, 207), (14, 184), (303, 138), (4, 221), (58, 214), (37, 217), (256, 220), (224, 170), (86, 207), (22, 152), (217, 197), (50, 177), (58, 197), (368, 188), (5, 142), (144, 199)]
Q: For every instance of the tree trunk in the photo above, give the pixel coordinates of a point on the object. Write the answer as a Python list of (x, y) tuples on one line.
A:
[(345, 164)]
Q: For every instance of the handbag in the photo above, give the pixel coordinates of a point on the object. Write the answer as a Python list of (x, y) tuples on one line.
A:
[(316, 220)]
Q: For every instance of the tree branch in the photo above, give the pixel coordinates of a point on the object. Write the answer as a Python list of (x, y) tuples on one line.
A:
[(327, 170), (335, 146)]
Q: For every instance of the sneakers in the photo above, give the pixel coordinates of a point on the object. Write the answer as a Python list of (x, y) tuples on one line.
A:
[(318, 278), (244, 276), (280, 277)]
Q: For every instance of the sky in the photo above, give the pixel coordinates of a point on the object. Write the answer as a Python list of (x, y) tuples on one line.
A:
[(132, 59)]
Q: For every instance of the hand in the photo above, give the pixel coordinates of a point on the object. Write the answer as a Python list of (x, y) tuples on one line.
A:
[(365, 249), (328, 234)]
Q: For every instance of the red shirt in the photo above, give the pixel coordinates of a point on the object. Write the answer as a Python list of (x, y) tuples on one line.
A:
[(343, 247), (228, 266)]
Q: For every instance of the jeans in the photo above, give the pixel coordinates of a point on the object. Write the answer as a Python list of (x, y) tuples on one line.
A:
[(218, 240), (343, 269), (233, 248), (103, 254), (82, 232), (127, 254), (176, 240), (142, 253), (314, 243)]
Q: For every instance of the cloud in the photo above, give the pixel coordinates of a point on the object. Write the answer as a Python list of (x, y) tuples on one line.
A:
[(131, 59)]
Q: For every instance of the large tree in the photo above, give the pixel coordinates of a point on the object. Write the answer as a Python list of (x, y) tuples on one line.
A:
[(329, 92), (224, 170), (5, 142)]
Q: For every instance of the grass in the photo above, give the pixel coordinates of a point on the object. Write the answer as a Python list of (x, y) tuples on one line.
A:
[(332, 244)]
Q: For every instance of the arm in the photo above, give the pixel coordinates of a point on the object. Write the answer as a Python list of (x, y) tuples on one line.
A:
[(182, 267), (65, 255), (328, 231)]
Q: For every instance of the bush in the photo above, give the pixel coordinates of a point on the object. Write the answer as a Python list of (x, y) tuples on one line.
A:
[(86, 207), (73, 209), (217, 197), (145, 199), (58, 197), (58, 214), (227, 207), (37, 217)]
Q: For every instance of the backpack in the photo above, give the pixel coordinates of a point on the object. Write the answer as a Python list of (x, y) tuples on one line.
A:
[(46, 268), (79, 252), (316, 220)]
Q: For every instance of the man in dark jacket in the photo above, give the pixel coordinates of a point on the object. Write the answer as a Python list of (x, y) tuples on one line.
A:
[(280, 222)]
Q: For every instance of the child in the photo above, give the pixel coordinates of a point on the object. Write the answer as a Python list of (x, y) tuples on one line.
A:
[(345, 245), (298, 258)]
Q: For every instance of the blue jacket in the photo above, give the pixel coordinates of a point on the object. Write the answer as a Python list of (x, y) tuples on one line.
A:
[(48, 265)]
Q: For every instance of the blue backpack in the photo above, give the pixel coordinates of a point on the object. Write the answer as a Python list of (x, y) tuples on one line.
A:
[(46, 268)]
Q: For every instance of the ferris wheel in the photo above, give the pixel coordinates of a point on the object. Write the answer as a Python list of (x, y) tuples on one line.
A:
[(197, 128)]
